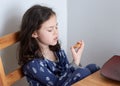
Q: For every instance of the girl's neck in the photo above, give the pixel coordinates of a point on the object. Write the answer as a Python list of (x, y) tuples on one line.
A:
[(48, 54), (45, 50)]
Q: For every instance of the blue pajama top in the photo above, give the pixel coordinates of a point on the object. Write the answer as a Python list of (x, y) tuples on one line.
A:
[(43, 72)]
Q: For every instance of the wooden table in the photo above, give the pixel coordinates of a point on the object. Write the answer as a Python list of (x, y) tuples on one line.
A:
[(96, 79)]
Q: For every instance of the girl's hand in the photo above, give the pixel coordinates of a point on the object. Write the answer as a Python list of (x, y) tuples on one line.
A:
[(77, 52)]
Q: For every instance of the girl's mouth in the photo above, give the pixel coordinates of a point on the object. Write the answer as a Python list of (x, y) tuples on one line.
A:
[(56, 38)]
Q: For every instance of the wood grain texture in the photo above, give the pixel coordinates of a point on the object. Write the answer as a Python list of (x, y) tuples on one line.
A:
[(96, 79), (12, 77), (2, 74), (8, 40)]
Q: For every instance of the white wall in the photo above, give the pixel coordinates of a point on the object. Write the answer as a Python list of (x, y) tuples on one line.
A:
[(11, 12), (97, 22)]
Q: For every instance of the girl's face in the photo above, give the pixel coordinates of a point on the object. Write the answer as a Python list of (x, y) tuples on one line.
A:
[(48, 33)]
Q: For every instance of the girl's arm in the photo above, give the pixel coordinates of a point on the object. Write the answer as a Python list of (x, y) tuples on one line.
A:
[(40, 73), (77, 52)]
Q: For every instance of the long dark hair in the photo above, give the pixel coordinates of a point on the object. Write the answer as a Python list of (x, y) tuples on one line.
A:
[(32, 20)]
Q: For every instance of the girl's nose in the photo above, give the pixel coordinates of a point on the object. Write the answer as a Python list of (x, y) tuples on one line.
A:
[(55, 30)]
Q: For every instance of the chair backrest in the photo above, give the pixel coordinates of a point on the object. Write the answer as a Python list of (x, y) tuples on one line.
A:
[(12, 77)]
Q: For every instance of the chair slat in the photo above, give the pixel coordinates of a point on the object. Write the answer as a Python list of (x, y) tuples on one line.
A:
[(14, 76), (2, 74), (8, 40)]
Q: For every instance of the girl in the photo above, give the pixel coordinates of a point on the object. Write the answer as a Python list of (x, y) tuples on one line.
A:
[(43, 61)]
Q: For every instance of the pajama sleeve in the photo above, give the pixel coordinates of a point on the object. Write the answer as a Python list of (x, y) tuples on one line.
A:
[(40, 73)]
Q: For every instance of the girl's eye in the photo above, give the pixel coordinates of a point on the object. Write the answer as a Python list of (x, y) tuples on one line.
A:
[(52, 28), (49, 30)]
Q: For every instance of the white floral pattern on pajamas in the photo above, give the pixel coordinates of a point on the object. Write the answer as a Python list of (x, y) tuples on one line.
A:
[(43, 72)]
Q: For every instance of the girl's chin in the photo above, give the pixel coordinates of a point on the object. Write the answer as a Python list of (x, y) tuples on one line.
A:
[(54, 44)]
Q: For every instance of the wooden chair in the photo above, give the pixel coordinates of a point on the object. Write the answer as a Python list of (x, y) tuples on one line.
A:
[(11, 78)]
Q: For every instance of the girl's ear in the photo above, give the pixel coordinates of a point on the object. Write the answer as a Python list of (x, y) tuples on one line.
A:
[(34, 34)]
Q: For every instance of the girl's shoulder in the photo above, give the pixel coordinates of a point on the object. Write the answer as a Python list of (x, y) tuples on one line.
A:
[(34, 63), (61, 53)]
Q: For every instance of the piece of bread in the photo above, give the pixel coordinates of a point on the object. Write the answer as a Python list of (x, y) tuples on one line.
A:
[(77, 45)]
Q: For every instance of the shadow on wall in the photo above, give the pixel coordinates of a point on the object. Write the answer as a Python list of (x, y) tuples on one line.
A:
[(11, 24)]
